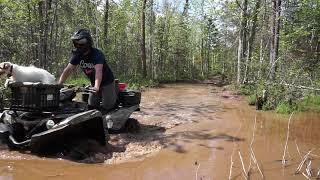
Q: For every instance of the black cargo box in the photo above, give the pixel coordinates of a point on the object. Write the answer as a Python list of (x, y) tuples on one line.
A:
[(129, 97)]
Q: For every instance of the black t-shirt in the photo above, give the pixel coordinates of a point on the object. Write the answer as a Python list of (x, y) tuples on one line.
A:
[(87, 63)]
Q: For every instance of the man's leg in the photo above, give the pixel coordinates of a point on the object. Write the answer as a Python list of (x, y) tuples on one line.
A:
[(109, 96)]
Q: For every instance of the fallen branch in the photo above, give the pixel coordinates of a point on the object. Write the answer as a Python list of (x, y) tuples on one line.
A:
[(286, 145), (300, 87)]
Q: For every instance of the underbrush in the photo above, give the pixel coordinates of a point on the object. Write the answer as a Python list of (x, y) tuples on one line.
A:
[(309, 103), (282, 99)]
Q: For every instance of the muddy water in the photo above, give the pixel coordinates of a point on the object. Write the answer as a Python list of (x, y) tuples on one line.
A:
[(206, 130)]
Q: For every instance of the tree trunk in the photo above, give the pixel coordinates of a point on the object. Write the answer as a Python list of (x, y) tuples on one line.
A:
[(43, 13), (242, 38), (143, 40), (106, 24), (151, 40), (274, 43), (251, 39), (262, 52), (40, 31), (52, 40), (202, 51)]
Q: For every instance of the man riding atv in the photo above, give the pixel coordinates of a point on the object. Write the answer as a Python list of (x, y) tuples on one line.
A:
[(93, 63), (46, 118)]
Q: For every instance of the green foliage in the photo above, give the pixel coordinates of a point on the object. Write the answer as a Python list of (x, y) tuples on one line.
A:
[(138, 82), (284, 108), (78, 80), (180, 45), (247, 89), (309, 103), (252, 99)]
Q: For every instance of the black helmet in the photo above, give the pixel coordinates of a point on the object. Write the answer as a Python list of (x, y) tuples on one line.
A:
[(82, 35)]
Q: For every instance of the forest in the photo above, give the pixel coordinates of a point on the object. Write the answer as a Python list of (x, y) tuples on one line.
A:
[(253, 44)]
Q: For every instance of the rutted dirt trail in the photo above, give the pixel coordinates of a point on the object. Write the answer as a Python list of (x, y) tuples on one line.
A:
[(189, 131)]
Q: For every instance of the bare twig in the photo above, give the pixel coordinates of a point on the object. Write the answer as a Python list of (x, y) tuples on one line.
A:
[(197, 171), (318, 174), (233, 150), (298, 149), (308, 168), (243, 168), (256, 162), (306, 176), (230, 171), (302, 162), (254, 129), (252, 155), (286, 145), (249, 167)]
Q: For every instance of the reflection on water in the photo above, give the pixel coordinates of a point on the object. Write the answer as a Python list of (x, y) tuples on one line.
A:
[(204, 129)]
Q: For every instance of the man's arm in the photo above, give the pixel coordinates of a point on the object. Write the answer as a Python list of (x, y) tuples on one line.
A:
[(98, 76), (66, 73)]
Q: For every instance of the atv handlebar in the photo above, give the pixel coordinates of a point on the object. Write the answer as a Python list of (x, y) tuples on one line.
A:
[(87, 89), (84, 89)]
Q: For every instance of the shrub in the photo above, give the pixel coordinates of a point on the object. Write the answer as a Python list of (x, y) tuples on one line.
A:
[(309, 103), (284, 108), (251, 99)]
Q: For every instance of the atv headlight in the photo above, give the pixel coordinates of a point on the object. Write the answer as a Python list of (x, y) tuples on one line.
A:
[(109, 121), (49, 124)]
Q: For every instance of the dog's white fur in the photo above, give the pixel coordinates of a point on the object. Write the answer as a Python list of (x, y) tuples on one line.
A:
[(26, 74)]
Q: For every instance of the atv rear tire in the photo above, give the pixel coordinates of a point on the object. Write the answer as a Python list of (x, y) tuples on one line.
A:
[(132, 126)]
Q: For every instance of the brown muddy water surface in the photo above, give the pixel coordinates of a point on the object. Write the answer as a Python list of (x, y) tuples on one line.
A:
[(191, 131)]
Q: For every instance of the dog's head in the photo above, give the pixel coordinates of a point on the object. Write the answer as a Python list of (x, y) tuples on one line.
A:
[(5, 68)]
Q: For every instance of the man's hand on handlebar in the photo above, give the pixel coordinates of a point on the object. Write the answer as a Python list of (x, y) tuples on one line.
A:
[(94, 89)]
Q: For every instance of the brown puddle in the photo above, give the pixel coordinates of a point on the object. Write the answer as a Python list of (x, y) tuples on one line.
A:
[(204, 127)]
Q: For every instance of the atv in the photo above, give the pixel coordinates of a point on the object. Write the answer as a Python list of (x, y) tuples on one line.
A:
[(44, 118)]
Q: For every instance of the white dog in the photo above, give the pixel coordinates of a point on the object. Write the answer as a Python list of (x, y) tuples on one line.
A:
[(25, 74)]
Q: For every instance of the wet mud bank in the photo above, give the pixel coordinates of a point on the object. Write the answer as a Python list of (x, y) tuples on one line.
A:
[(192, 131)]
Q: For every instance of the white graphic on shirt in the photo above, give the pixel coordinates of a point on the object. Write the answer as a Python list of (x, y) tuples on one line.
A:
[(86, 65)]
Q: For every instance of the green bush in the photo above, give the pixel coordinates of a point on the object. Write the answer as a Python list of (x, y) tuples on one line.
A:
[(247, 89), (309, 103), (252, 99), (284, 108)]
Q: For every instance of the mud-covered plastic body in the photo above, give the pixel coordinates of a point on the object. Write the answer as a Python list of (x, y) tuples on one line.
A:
[(87, 124), (25, 127)]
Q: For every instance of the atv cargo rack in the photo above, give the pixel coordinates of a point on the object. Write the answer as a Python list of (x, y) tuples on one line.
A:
[(34, 97)]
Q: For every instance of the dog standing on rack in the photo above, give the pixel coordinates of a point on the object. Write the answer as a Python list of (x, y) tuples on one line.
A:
[(18, 73)]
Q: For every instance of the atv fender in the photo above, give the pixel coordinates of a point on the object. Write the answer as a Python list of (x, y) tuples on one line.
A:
[(87, 124)]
